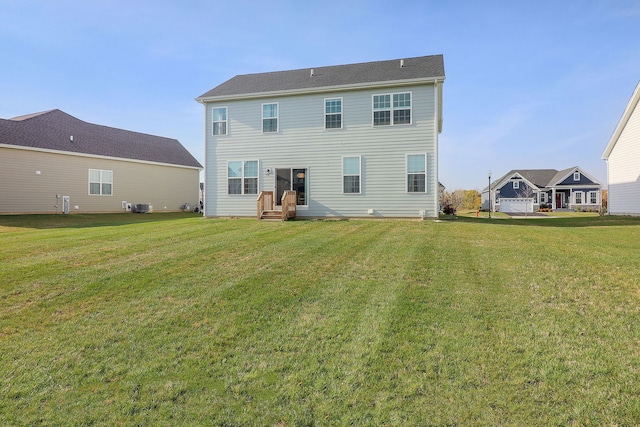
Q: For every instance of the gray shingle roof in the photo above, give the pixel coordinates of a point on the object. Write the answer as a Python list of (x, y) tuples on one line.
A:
[(423, 67), (52, 130), (540, 177)]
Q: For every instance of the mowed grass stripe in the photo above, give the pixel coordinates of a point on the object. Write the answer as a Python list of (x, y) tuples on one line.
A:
[(240, 322)]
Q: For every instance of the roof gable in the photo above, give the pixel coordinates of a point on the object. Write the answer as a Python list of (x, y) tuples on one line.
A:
[(564, 177), (58, 131), (316, 79), (626, 115)]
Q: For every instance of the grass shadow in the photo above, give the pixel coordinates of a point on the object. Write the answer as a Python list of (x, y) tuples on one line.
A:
[(49, 221), (551, 221)]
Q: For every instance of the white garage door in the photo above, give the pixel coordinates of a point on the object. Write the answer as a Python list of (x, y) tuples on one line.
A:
[(516, 205)]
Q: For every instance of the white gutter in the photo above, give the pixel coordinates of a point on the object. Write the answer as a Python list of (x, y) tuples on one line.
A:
[(303, 91), (95, 156)]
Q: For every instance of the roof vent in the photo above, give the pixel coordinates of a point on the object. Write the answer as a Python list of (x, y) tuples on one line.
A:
[(402, 63), (312, 73)]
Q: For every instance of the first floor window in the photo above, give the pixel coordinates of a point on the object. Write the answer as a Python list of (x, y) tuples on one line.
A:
[(270, 118), (242, 177), (578, 197), (100, 182), (351, 175), (416, 173), (593, 197), (220, 121)]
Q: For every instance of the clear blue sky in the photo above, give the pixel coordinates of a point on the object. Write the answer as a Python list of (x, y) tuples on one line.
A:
[(530, 84)]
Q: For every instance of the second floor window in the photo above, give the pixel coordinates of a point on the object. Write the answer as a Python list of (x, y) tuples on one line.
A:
[(392, 109), (333, 113), (269, 118), (220, 121)]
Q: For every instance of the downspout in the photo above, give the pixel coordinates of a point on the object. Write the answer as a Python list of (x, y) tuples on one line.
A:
[(204, 133), (436, 131), (601, 205)]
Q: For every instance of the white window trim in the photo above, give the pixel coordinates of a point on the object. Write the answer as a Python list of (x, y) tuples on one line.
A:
[(225, 121), (391, 109), (277, 117), (589, 195), (324, 107), (359, 174), (242, 178), (406, 173), (575, 198), (100, 182), (576, 176), (516, 185)]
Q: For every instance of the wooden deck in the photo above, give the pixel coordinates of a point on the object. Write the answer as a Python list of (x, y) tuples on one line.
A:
[(265, 206)]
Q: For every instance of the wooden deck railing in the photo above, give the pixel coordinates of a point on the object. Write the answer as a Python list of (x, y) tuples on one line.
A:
[(289, 199), (264, 203), (265, 209)]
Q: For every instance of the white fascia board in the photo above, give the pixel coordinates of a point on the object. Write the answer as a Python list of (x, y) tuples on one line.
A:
[(631, 105), (95, 156), (325, 89), (574, 170)]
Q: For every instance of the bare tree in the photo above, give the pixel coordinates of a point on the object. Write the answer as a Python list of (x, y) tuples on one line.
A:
[(450, 202), (526, 193)]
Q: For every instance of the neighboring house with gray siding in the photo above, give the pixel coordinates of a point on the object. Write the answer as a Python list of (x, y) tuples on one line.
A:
[(52, 162), (527, 190), (622, 155), (357, 140)]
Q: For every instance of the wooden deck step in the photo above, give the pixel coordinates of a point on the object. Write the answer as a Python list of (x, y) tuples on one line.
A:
[(272, 215)]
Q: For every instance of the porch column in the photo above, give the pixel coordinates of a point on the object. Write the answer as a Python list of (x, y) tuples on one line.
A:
[(553, 199)]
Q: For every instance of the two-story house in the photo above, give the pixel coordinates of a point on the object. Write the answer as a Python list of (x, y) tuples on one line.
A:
[(622, 155), (357, 140)]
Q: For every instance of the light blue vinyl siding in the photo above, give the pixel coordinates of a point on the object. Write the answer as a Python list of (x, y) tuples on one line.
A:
[(303, 142)]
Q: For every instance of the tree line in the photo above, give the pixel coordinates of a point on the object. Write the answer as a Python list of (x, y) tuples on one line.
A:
[(450, 202)]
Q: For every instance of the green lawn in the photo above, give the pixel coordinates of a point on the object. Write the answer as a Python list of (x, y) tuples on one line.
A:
[(176, 320)]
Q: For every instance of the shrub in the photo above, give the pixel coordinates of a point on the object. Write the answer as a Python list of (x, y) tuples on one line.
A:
[(449, 210)]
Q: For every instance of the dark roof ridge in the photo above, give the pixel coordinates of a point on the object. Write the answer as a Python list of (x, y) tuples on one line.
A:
[(59, 131), (320, 67), (429, 68), (32, 115)]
